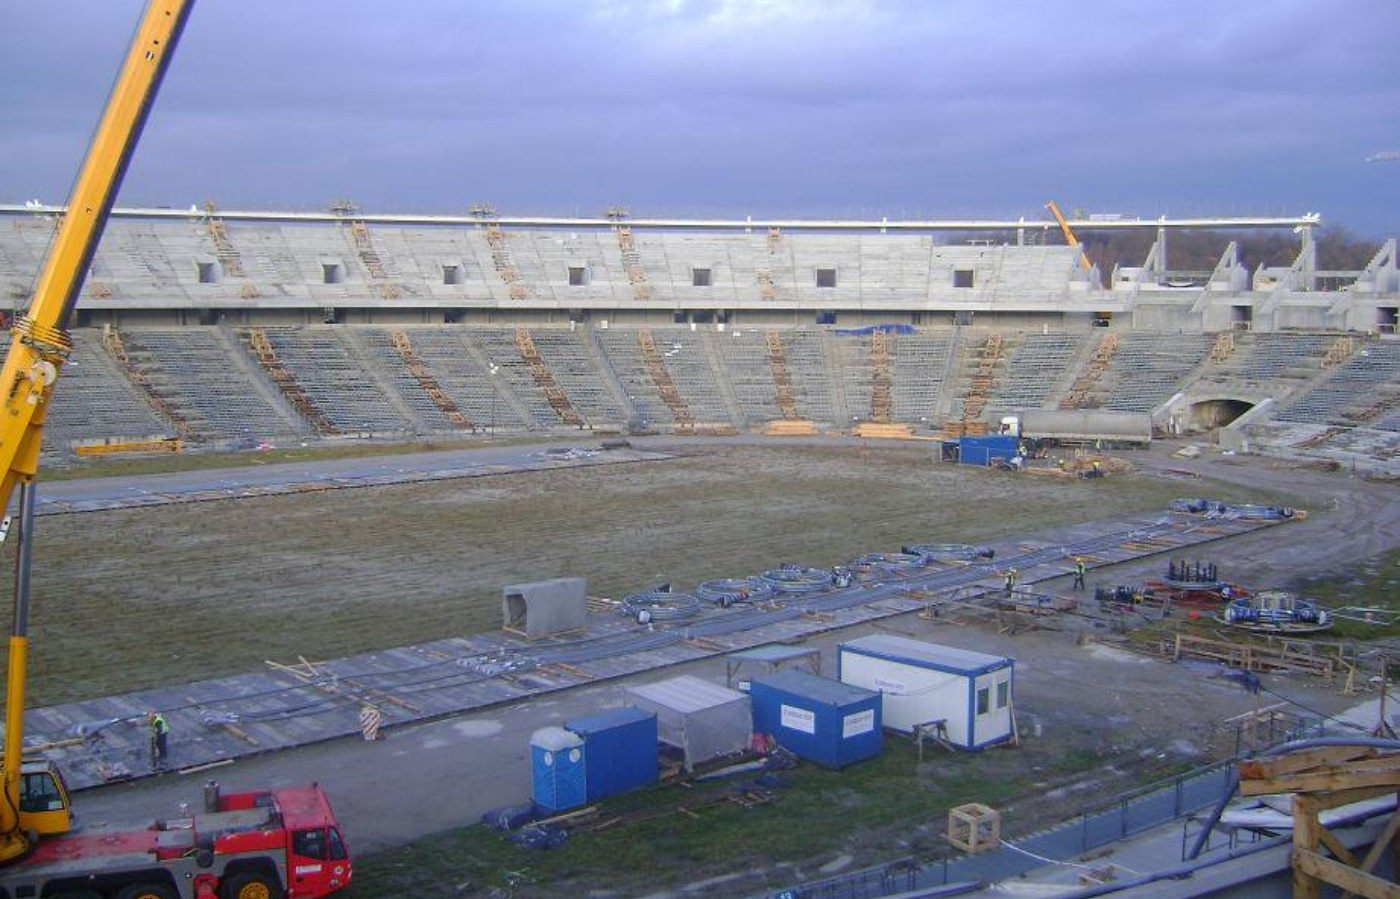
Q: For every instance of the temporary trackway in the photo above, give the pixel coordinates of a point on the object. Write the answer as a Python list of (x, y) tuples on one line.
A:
[(297, 703)]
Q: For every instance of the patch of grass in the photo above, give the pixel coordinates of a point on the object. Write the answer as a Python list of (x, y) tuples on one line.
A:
[(890, 805), (1374, 584), (164, 463), (1077, 759)]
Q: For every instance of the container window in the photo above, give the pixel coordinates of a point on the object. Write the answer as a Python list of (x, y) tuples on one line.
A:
[(826, 277), (700, 277), (578, 276), (962, 277), (1003, 694), (984, 701)]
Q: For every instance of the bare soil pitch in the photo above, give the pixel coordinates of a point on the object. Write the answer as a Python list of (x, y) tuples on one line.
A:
[(186, 592)]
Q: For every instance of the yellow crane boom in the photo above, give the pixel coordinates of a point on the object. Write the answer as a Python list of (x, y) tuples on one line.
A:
[(41, 343), (1070, 239)]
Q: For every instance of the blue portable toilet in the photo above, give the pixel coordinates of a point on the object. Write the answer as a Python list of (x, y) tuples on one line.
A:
[(819, 719), (557, 760), (619, 747)]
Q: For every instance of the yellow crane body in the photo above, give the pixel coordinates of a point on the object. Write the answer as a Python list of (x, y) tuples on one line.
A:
[(41, 343), (1070, 239)]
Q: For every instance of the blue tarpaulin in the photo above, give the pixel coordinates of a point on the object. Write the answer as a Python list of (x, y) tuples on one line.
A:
[(981, 450), (874, 329)]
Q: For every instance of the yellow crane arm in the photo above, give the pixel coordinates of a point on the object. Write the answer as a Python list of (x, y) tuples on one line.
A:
[(1069, 234), (41, 344)]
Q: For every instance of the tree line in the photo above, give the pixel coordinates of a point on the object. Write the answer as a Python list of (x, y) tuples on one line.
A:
[(1199, 250)]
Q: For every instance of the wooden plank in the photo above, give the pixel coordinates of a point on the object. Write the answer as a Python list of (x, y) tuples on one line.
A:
[(1315, 867), (1334, 845), (1306, 884), (1322, 782), (1382, 843), (1302, 759), (1334, 782)]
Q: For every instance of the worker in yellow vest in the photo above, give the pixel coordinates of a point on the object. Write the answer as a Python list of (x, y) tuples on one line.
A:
[(160, 737)]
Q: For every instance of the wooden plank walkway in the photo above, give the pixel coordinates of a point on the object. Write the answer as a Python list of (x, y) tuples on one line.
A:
[(296, 702)]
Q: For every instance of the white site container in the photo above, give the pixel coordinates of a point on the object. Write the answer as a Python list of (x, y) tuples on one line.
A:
[(969, 693)]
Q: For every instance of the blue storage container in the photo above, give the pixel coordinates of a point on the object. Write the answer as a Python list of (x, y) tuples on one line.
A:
[(981, 450), (557, 761), (820, 719), (620, 748)]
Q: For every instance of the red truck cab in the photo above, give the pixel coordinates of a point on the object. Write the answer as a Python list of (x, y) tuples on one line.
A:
[(246, 845)]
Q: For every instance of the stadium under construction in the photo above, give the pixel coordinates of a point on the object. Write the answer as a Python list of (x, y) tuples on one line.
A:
[(214, 328)]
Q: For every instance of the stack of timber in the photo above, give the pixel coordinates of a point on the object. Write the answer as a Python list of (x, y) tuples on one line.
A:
[(791, 428)]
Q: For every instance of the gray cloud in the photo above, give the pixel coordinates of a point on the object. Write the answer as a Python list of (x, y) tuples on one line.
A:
[(792, 107)]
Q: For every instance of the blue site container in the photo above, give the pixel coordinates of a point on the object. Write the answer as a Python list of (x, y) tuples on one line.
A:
[(620, 748), (981, 450), (819, 719), (557, 761)]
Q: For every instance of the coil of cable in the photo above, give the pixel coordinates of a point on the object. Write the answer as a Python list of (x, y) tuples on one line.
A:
[(729, 591), (1252, 511), (660, 605), (949, 552), (893, 563), (795, 579)]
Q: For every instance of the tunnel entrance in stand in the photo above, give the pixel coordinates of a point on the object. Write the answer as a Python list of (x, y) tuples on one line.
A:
[(1218, 413)]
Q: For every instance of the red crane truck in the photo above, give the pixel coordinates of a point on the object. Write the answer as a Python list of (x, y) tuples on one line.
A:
[(261, 844)]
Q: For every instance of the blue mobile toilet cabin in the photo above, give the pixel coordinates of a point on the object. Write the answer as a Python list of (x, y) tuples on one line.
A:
[(963, 696), (819, 719), (557, 764), (619, 749)]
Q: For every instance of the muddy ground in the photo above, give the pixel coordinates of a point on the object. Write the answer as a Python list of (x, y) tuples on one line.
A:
[(192, 591)]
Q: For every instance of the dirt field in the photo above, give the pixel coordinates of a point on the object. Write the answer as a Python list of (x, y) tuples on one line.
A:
[(192, 591)]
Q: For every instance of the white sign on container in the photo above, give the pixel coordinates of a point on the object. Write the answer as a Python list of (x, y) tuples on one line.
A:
[(884, 685), (794, 718), (857, 724)]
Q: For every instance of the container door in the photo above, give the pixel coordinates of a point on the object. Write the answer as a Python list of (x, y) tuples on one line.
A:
[(318, 863)]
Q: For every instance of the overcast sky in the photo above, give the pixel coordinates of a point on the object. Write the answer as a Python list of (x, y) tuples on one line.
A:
[(770, 108)]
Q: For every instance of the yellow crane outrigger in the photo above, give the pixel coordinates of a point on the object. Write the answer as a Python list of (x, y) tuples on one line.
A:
[(41, 346), (1070, 239)]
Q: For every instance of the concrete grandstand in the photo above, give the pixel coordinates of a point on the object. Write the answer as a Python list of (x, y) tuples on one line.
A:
[(229, 329)]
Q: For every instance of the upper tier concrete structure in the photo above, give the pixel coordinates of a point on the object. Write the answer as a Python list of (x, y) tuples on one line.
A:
[(160, 266)]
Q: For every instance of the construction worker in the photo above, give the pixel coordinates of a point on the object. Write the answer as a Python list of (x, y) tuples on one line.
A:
[(160, 733), (1079, 569), (1010, 580)]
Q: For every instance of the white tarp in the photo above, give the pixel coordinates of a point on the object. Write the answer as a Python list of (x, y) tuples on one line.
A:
[(704, 720)]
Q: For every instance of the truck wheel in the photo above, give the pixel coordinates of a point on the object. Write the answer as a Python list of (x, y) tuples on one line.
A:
[(250, 885), (146, 891)]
